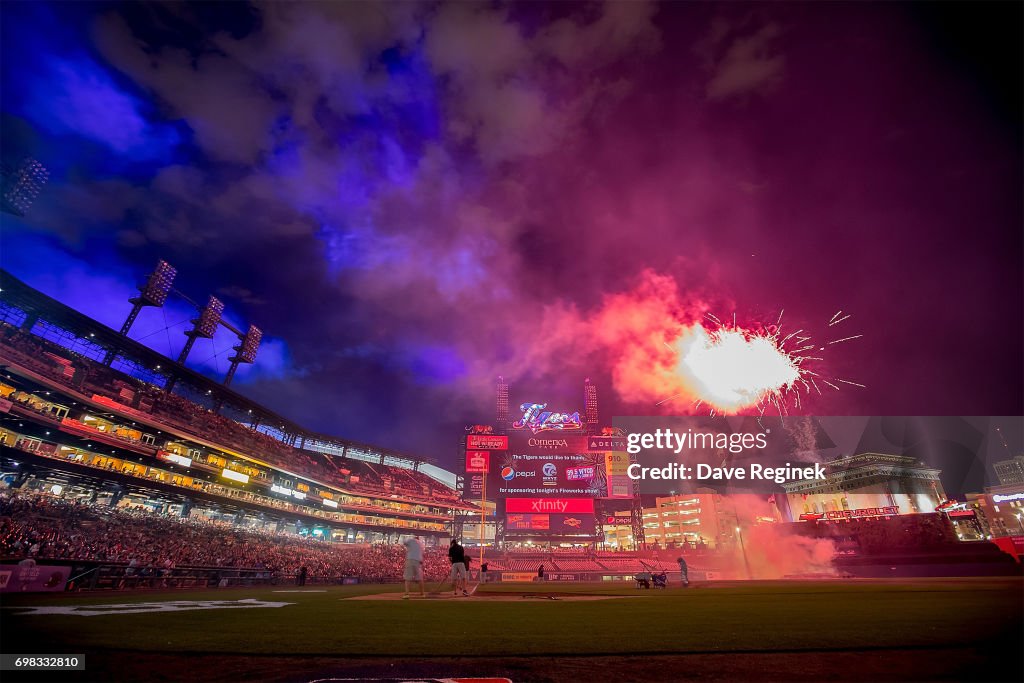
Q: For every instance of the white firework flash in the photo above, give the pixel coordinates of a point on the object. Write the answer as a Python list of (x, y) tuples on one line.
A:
[(730, 369)]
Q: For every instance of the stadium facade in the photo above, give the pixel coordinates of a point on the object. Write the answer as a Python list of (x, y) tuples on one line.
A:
[(863, 482), (85, 412)]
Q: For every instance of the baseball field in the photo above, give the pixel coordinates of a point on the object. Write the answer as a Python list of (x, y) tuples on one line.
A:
[(835, 630)]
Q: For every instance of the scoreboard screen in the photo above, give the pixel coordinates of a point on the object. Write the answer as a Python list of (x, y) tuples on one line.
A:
[(552, 524)]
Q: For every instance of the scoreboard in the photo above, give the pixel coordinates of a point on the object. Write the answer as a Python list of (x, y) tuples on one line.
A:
[(546, 474)]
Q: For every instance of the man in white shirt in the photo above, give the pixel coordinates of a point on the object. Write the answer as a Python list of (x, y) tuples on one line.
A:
[(413, 564)]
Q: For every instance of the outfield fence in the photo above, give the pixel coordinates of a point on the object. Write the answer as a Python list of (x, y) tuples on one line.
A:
[(100, 576), (117, 576)]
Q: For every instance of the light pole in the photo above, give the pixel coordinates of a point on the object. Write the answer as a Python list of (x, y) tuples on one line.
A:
[(743, 549)]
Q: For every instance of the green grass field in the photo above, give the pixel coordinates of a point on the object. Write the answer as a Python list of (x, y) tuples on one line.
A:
[(964, 622)]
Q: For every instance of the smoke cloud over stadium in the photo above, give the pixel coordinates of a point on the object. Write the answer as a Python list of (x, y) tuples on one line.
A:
[(412, 200)]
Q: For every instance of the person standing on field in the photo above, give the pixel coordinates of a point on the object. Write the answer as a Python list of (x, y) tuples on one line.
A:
[(457, 557), (413, 564), (684, 572)]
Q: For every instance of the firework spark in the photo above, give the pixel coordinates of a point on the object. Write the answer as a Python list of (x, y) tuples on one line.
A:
[(731, 369)]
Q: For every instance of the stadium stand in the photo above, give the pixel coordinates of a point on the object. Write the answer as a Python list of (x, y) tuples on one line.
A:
[(91, 378), (47, 527)]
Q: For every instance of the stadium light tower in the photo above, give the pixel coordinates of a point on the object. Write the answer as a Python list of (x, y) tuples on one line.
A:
[(204, 326), (152, 293), (244, 352), (590, 406), (22, 184)]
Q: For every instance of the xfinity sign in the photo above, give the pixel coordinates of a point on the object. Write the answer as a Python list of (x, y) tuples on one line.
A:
[(550, 505)]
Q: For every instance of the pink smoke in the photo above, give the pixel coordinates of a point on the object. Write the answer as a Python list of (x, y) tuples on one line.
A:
[(775, 554)]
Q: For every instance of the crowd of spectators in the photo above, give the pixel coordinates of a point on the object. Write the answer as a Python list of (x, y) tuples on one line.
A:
[(43, 526), (922, 532)]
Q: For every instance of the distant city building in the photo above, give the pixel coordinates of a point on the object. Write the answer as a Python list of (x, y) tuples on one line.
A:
[(705, 517), (864, 482), (1010, 472), (21, 185), (1000, 510)]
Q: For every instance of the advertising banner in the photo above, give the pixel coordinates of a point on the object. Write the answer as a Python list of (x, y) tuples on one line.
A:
[(478, 461), (573, 524), (526, 443), (15, 578), (617, 473), (862, 512), (553, 524), (518, 522), (473, 486), (606, 443), (575, 506), (486, 442), (578, 474)]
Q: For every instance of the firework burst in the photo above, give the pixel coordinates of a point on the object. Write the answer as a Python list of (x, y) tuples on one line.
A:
[(729, 368)]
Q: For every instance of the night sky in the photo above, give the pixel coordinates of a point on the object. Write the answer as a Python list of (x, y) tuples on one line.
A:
[(410, 199)]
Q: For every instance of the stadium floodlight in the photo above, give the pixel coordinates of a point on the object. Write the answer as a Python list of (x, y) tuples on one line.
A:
[(204, 326), (22, 184), (245, 352), (154, 292), (209, 319), (250, 345)]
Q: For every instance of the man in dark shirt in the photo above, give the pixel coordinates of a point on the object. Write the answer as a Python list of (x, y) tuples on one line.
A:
[(684, 571), (457, 556)]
